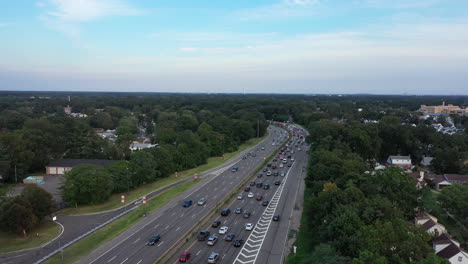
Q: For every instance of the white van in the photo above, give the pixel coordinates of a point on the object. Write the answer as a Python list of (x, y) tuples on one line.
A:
[(285, 160)]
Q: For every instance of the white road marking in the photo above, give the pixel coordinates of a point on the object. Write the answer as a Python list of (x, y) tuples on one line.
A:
[(166, 227), (139, 261), (124, 261), (196, 254), (160, 243), (177, 229), (156, 226), (111, 259), (138, 239)]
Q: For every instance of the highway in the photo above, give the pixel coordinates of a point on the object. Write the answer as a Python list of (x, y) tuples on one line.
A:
[(173, 221), (265, 243)]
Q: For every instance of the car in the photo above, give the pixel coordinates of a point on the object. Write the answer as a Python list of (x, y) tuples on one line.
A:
[(259, 185), (263, 148), (275, 160), (266, 186), (273, 167), (153, 239), (249, 226), (238, 210), (253, 183), (265, 169), (250, 195), (276, 173), (247, 214), (202, 201), (254, 155), (216, 223), (281, 165), (229, 237), (298, 149), (277, 156), (238, 242), (289, 156), (289, 165), (212, 240), (244, 157), (259, 175), (283, 174), (276, 218), (240, 196), (246, 189), (235, 169), (223, 230), (269, 173), (213, 258), (292, 159), (184, 256), (277, 182), (265, 202), (269, 165), (187, 203), (259, 198), (203, 235), (225, 211)]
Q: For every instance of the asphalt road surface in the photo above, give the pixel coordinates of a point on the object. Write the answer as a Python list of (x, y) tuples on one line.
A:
[(172, 221), (266, 242)]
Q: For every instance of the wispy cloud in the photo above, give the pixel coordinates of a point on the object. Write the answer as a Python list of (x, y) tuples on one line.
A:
[(398, 4), (281, 10)]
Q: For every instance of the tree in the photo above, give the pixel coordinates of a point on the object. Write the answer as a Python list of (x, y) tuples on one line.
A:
[(454, 199), (40, 200), (16, 215), (121, 176), (143, 167), (87, 184)]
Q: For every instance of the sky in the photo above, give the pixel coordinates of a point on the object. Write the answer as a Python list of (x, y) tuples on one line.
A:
[(226, 46)]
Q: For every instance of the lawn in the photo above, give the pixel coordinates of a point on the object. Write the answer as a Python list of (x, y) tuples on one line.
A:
[(114, 202), (37, 237), (108, 232)]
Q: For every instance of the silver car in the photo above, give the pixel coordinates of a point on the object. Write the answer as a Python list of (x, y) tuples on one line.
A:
[(202, 201)]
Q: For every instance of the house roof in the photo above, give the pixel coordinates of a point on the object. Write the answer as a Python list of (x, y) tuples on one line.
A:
[(456, 178), (449, 251), (426, 161), (69, 163), (400, 157), (429, 224), (442, 239)]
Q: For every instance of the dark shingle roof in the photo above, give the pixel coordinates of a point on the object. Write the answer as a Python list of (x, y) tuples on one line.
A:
[(449, 251), (69, 163), (442, 239), (428, 224)]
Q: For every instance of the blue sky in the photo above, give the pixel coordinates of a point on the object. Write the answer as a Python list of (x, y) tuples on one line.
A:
[(262, 46)]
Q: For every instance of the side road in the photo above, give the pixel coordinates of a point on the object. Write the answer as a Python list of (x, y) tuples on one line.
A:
[(76, 226)]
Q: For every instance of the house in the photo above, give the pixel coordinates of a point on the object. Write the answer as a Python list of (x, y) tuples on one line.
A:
[(448, 248), (138, 146), (441, 181), (419, 179), (426, 161), (60, 166), (429, 224), (403, 162)]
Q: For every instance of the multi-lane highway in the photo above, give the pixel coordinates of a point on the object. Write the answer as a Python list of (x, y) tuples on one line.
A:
[(265, 243), (173, 221)]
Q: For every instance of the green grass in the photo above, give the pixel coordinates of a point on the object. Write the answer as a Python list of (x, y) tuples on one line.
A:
[(114, 201), (37, 237), (108, 232), (4, 188)]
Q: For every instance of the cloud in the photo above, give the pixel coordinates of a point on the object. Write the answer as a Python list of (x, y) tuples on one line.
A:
[(399, 4), (188, 49), (285, 9)]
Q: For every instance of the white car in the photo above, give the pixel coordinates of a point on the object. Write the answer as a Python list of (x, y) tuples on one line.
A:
[(281, 165), (249, 226), (292, 159), (240, 196), (223, 230), (250, 195)]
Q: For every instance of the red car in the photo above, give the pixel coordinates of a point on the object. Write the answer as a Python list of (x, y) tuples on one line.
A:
[(259, 198), (184, 257), (273, 167)]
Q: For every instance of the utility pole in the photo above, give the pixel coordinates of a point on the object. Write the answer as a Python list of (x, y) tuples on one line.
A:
[(16, 176), (258, 128)]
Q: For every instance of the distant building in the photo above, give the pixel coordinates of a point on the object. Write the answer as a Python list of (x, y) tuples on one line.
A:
[(419, 179), (426, 161), (139, 146), (448, 248), (60, 166), (403, 162), (67, 110), (442, 109), (429, 223), (442, 181)]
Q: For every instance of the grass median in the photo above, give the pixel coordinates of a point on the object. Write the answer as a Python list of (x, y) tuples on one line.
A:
[(36, 238), (108, 232), (114, 202)]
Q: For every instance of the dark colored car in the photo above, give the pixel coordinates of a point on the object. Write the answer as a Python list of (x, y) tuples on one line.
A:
[(276, 218), (187, 203), (246, 214), (185, 256), (275, 160), (216, 224), (247, 189), (269, 165), (245, 157), (252, 183), (275, 173), (259, 175), (259, 185), (265, 203), (153, 239), (289, 165), (259, 198), (289, 156), (204, 234), (266, 186), (273, 167), (277, 182), (229, 237), (238, 242), (225, 211), (265, 169), (235, 169), (254, 155)]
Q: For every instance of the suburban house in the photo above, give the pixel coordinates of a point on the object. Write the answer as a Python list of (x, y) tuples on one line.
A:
[(419, 179), (441, 181), (142, 142), (60, 166), (403, 162), (444, 246), (426, 161)]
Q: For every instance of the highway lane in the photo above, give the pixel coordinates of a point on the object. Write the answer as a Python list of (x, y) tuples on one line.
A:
[(200, 250), (175, 221)]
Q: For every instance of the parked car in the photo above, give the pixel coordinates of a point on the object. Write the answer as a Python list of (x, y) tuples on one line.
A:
[(185, 256), (203, 235), (202, 201), (213, 258), (153, 239), (187, 203)]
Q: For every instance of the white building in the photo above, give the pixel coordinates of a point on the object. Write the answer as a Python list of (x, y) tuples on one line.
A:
[(403, 162)]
